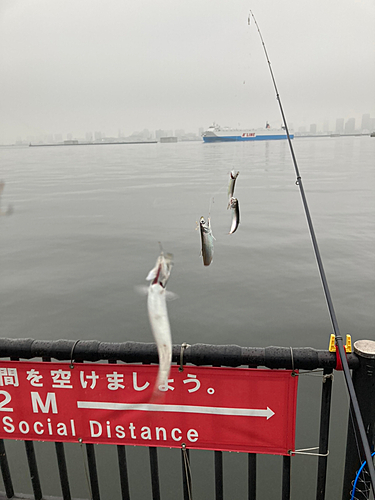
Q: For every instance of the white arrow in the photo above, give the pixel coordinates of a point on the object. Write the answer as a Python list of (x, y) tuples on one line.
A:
[(212, 410)]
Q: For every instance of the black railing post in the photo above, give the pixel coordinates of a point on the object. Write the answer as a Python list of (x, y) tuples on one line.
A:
[(219, 482), (364, 385), (325, 412), (155, 486), (61, 460), (5, 471), (63, 471), (186, 473), (123, 469), (219, 487), (252, 475), (94, 481), (33, 468), (285, 495), (31, 460)]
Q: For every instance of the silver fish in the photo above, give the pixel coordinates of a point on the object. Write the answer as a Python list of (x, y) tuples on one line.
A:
[(158, 315), (232, 182), (207, 239), (235, 208)]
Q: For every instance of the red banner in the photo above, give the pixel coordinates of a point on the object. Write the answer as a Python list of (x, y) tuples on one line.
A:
[(229, 409)]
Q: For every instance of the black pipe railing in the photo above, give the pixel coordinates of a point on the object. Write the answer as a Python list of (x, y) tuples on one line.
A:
[(123, 472), (63, 471), (305, 358), (199, 354), (252, 475), (5, 471), (154, 469), (325, 412)]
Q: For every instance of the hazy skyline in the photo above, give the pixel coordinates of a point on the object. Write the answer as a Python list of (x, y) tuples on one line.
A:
[(84, 65)]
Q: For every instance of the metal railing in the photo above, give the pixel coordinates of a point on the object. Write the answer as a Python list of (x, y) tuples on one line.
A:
[(199, 354)]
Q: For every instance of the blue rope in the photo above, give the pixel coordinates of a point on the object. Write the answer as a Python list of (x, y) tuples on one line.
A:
[(357, 477)]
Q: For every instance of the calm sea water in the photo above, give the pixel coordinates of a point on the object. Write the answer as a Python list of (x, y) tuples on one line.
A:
[(85, 233)]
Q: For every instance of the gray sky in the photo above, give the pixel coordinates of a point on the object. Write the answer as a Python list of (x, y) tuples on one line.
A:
[(86, 65)]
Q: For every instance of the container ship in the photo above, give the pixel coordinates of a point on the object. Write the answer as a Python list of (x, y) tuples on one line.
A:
[(215, 133)]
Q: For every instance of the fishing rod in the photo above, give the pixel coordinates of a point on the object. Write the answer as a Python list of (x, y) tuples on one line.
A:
[(331, 310)]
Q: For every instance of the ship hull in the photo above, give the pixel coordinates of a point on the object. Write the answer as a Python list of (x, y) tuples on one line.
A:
[(231, 138), (216, 134)]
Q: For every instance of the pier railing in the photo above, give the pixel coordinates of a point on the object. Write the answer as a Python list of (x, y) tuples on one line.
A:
[(274, 358)]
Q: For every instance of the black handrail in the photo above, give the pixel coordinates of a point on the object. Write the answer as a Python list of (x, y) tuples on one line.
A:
[(306, 358)]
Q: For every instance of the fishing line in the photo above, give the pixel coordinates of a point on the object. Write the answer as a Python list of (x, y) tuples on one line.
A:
[(216, 193), (212, 201), (352, 421), (187, 469), (357, 477), (336, 330)]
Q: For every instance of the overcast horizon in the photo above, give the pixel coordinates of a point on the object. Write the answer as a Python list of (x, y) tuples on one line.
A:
[(70, 67)]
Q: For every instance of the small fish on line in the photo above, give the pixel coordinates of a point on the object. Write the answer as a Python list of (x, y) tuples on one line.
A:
[(207, 239), (232, 182), (158, 315), (235, 208)]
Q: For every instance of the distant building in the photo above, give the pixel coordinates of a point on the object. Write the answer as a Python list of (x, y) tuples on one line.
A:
[(191, 136), (144, 135), (339, 125), (168, 139), (162, 133), (350, 126), (366, 122), (179, 133), (48, 139), (313, 128), (326, 126), (88, 136)]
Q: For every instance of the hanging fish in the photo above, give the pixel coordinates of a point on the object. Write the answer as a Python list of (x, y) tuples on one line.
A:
[(232, 182), (235, 208), (207, 239), (158, 315)]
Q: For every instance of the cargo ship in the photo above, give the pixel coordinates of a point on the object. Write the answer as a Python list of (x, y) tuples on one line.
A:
[(215, 133)]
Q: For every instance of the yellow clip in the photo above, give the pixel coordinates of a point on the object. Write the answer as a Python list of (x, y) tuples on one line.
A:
[(347, 346), (332, 343)]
